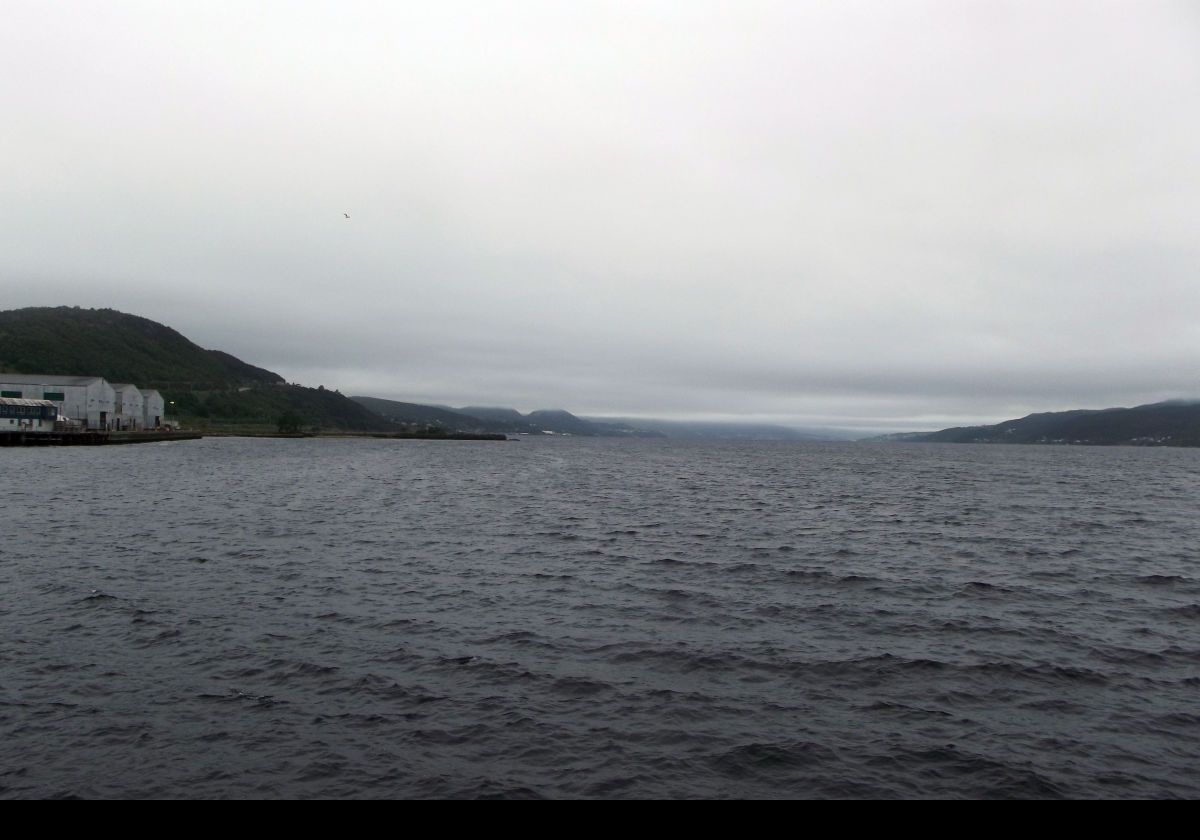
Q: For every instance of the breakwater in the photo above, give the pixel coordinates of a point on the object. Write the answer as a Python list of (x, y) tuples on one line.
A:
[(90, 438)]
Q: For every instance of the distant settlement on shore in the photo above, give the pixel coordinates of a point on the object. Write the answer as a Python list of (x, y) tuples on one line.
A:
[(77, 403)]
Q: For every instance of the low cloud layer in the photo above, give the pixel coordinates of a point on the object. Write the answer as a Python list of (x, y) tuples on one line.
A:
[(880, 215)]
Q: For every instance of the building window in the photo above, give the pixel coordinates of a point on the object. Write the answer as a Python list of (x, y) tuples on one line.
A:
[(16, 395)]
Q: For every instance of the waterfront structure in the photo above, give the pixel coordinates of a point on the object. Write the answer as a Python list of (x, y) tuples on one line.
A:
[(129, 408), (21, 415), (153, 405), (88, 399)]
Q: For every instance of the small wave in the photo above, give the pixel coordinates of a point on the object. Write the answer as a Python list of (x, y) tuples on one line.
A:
[(282, 671), (336, 618), (65, 795), (579, 687), (165, 636), (741, 568), (491, 790), (238, 696), (903, 710), (1188, 611), (513, 636), (808, 574), (984, 586), (985, 777), (97, 597), (675, 594), (1042, 672), (758, 759), (1053, 704), (1160, 580)]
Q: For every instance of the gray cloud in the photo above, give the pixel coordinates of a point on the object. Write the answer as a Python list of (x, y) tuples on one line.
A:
[(873, 214)]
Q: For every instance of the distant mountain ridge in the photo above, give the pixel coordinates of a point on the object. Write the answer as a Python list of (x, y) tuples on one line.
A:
[(499, 415), (1173, 423), (214, 390), (711, 430), (486, 419), (559, 422), (416, 414)]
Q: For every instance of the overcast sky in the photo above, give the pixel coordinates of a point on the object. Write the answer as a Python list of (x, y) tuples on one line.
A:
[(878, 214)]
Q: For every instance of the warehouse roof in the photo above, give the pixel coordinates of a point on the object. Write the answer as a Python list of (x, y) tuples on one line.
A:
[(42, 379), (27, 403)]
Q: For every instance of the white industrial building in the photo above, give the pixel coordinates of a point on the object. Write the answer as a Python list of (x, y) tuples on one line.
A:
[(129, 410), (153, 415), (89, 399)]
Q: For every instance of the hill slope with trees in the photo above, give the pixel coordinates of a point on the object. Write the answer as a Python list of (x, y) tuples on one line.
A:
[(1175, 423), (207, 389)]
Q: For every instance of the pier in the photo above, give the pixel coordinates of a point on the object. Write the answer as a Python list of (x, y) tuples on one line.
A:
[(89, 438)]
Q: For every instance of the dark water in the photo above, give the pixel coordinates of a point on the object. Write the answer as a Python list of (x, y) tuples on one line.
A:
[(573, 618)]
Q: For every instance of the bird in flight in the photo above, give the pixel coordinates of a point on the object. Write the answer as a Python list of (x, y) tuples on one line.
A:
[(347, 215)]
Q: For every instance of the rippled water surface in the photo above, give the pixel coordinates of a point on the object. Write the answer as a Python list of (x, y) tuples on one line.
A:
[(592, 618)]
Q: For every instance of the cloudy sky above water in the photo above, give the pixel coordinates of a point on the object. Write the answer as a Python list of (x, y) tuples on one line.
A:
[(877, 214)]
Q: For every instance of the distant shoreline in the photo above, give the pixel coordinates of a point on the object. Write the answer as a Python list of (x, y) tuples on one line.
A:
[(92, 438), (363, 435)]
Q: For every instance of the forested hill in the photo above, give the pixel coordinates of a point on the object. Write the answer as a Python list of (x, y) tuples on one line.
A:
[(1175, 423), (206, 389), (70, 341), (504, 420)]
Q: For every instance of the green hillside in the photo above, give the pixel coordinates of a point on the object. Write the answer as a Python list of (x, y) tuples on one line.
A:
[(206, 389), (414, 414), (263, 407), (70, 341), (1159, 424), (478, 419)]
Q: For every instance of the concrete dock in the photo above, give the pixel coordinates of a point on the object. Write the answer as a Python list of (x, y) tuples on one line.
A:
[(90, 438)]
